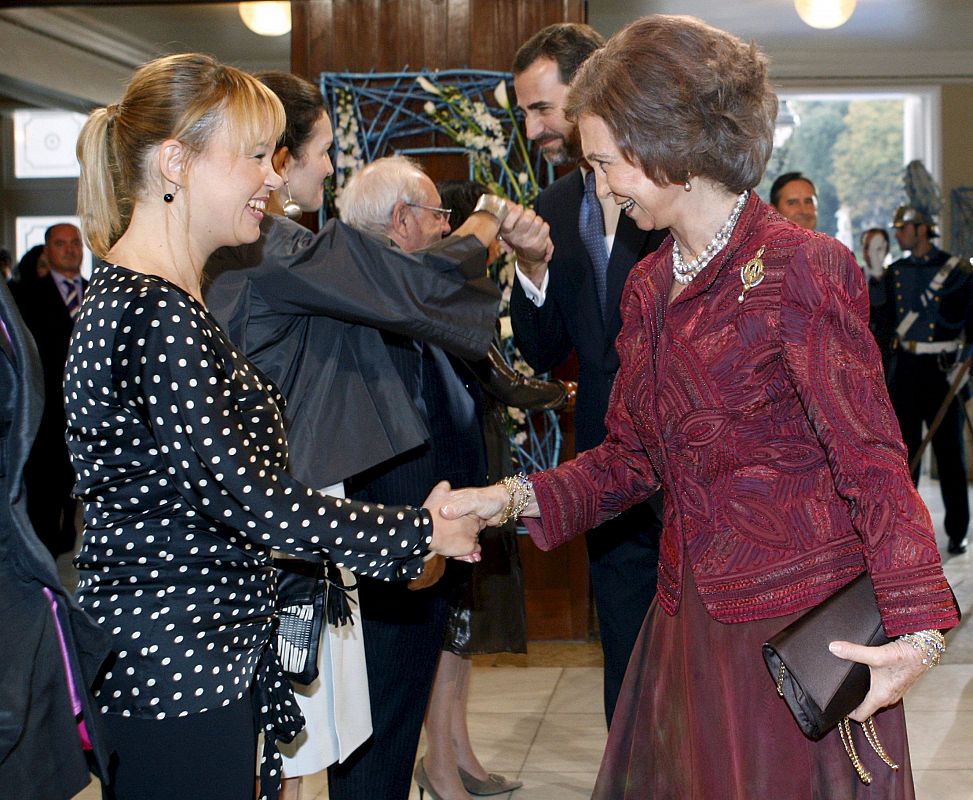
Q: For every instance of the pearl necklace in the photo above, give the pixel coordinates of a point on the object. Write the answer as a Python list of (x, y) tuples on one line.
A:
[(683, 272)]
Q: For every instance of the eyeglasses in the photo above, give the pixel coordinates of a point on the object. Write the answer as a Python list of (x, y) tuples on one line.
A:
[(442, 213)]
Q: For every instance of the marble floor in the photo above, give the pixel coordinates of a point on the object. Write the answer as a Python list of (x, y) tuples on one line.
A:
[(539, 717)]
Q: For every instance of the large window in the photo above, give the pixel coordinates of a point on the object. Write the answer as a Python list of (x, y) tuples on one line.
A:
[(44, 143), (43, 178), (854, 145)]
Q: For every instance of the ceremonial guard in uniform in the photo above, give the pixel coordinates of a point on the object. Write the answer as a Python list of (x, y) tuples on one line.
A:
[(927, 308)]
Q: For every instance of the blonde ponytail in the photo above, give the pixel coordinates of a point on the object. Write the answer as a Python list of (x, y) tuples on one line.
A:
[(97, 203)]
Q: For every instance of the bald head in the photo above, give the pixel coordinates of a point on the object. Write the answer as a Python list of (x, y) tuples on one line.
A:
[(63, 250)]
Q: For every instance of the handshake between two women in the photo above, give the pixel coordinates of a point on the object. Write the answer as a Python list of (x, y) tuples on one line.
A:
[(459, 515)]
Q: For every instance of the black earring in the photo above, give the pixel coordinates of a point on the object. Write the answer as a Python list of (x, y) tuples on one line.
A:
[(170, 196)]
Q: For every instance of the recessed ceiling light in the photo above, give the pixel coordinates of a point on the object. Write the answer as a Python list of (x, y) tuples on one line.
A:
[(267, 18), (825, 14)]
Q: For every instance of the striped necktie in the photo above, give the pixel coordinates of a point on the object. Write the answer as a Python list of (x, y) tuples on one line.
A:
[(591, 223), (73, 300)]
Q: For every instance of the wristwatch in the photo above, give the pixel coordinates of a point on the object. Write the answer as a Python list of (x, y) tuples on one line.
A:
[(494, 205)]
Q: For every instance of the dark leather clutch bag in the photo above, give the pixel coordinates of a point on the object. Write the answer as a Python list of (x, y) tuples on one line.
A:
[(820, 688)]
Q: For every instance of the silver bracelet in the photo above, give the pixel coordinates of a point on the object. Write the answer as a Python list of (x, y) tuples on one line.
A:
[(494, 205), (931, 643)]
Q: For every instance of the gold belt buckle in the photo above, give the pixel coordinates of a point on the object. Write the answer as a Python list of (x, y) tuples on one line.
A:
[(910, 346)]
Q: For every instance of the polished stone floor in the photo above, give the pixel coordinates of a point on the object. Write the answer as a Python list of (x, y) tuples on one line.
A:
[(539, 717)]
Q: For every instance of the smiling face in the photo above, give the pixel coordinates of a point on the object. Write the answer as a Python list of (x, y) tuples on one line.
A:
[(306, 174), (542, 97), (648, 204), (798, 203), (229, 189)]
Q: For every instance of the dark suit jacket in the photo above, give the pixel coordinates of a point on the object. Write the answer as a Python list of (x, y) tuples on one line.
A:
[(40, 751), (448, 398), (570, 317), (47, 318)]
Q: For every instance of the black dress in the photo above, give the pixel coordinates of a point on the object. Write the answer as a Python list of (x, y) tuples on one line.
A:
[(179, 448)]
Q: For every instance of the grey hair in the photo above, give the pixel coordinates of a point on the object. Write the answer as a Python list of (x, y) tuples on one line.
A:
[(367, 200)]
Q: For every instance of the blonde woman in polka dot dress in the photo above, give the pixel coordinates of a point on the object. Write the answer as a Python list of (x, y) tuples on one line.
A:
[(179, 447)]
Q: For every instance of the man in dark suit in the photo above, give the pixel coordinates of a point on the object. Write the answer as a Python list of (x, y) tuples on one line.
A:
[(573, 304), (42, 744), (49, 306)]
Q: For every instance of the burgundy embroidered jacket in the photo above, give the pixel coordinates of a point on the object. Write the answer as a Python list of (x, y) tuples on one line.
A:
[(768, 424)]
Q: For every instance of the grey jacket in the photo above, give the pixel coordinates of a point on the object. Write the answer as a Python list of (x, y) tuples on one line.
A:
[(306, 308)]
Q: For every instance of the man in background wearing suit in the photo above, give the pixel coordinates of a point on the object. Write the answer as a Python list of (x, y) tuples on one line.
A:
[(795, 198), (573, 304), (49, 306)]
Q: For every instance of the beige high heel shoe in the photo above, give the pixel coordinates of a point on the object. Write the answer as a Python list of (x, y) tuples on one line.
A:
[(422, 781), (494, 783)]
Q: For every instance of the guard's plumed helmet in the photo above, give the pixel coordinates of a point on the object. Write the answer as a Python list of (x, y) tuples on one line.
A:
[(909, 215)]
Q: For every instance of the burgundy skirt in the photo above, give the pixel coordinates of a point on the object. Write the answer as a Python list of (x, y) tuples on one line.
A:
[(699, 718)]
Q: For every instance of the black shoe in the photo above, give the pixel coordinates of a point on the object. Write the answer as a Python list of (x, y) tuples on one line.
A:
[(956, 548)]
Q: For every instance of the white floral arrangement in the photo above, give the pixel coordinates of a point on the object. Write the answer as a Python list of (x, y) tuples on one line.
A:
[(499, 160), (348, 155), (492, 140)]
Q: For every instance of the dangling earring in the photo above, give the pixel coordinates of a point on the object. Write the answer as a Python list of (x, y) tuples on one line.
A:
[(291, 208), (687, 186), (170, 196)]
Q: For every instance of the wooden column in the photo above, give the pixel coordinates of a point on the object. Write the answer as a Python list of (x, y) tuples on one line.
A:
[(362, 35), (391, 35)]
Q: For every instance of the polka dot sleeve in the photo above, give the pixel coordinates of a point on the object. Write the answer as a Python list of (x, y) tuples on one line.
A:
[(217, 427)]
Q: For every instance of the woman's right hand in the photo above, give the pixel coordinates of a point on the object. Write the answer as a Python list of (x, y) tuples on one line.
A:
[(455, 537)]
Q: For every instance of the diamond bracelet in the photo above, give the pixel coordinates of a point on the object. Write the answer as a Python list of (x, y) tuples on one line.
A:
[(519, 494), (931, 644)]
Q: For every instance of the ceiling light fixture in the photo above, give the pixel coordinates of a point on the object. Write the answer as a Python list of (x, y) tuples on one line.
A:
[(267, 18), (825, 14)]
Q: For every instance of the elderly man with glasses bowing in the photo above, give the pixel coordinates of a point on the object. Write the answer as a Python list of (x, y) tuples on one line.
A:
[(394, 199)]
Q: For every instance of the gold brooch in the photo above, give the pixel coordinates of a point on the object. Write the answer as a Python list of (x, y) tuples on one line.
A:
[(751, 273)]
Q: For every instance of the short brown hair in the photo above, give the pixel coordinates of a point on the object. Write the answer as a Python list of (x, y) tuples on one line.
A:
[(567, 43), (682, 98)]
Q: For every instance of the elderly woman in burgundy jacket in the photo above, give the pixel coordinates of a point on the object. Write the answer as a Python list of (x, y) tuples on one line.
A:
[(751, 390)]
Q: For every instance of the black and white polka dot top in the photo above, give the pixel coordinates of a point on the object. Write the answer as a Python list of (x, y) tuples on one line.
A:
[(179, 449)]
